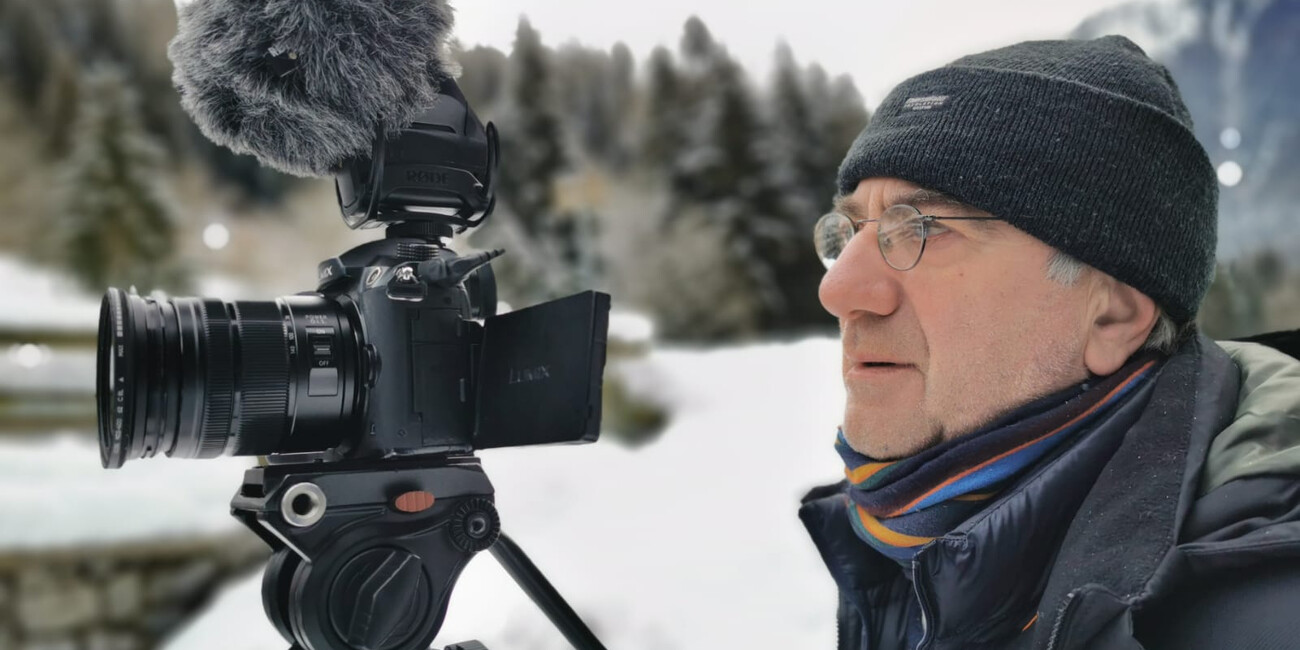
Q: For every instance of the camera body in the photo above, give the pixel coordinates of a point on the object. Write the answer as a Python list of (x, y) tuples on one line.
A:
[(409, 344), (431, 367)]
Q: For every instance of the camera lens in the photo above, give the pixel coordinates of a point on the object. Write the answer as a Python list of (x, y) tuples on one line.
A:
[(199, 378)]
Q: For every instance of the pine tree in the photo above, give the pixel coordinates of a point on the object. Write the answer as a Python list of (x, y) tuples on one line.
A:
[(698, 46), (585, 98), (622, 74), (116, 227), (531, 143), (796, 153), (40, 66), (533, 156), (844, 117), (484, 77), (795, 146), (720, 177), (718, 119), (59, 101), (760, 179), (663, 135), (27, 34)]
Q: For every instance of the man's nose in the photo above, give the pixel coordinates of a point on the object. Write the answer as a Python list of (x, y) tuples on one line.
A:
[(860, 281)]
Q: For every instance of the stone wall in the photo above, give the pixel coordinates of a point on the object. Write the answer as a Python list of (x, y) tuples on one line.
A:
[(123, 597)]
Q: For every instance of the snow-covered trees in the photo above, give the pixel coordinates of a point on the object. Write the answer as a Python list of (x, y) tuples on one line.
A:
[(813, 122), (689, 192), (530, 136), (116, 226)]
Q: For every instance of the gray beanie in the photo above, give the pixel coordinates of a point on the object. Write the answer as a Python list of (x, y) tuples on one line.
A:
[(1086, 145)]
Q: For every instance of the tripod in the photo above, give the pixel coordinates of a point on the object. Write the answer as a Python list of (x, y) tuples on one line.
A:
[(366, 554)]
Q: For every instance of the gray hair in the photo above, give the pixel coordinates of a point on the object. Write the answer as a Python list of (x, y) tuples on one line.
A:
[(1165, 335)]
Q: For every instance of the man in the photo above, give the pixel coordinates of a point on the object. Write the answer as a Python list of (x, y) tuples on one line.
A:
[(1040, 449)]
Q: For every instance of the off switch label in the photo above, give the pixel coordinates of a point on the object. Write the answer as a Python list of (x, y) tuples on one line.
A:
[(323, 380)]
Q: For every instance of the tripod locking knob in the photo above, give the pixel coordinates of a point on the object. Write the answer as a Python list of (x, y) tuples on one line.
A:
[(475, 526), (379, 598)]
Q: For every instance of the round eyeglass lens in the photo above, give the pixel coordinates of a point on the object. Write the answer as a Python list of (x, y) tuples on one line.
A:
[(901, 236), (831, 236)]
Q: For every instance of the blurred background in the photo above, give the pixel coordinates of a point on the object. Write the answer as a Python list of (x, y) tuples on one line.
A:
[(674, 155)]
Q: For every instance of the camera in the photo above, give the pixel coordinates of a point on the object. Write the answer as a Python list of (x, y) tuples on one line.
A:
[(367, 397), (398, 352)]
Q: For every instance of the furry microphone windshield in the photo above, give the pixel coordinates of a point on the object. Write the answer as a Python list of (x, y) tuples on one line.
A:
[(305, 84)]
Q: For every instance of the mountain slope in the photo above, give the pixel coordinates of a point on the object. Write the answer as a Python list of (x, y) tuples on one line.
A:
[(1237, 63)]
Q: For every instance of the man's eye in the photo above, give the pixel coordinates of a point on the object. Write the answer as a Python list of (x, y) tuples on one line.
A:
[(936, 228)]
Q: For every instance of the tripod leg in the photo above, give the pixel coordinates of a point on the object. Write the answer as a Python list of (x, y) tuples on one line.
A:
[(538, 588)]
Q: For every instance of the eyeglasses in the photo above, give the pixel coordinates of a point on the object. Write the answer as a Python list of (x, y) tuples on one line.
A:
[(901, 232)]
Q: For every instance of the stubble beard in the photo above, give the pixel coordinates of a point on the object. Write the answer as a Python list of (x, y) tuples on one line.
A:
[(969, 411)]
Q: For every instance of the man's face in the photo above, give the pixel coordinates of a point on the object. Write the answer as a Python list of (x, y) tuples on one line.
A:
[(976, 329)]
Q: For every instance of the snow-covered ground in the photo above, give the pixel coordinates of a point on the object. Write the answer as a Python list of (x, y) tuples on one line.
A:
[(54, 493), (690, 542), (36, 297)]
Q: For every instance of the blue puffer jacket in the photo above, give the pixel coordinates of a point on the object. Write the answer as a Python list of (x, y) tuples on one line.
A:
[(1175, 523)]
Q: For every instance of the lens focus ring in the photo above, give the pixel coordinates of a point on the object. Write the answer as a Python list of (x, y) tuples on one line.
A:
[(219, 399), (264, 379)]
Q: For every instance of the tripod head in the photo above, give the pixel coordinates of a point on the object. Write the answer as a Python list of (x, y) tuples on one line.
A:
[(366, 556), (366, 559)]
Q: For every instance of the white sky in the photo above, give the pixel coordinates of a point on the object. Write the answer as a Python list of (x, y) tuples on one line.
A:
[(878, 42)]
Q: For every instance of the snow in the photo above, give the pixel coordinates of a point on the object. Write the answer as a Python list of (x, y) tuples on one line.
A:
[(35, 297), (41, 298), (690, 542), (53, 371), (54, 493), (630, 327)]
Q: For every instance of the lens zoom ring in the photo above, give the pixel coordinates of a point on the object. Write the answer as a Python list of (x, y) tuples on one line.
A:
[(264, 379), (219, 378)]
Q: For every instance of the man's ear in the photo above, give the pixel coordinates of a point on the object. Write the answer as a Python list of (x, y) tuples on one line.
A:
[(1121, 318)]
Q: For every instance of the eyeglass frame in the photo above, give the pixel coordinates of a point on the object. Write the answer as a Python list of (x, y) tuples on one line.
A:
[(926, 220)]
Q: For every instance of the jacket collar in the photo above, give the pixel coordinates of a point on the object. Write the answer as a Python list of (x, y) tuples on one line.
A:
[(1122, 540)]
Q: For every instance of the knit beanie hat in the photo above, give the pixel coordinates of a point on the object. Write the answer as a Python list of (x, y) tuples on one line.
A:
[(1086, 145)]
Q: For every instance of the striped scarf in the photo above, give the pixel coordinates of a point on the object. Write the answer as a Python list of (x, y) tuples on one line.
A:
[(903, 504)]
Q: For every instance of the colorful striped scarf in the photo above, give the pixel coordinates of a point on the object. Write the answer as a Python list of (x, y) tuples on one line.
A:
[(899, 506)]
